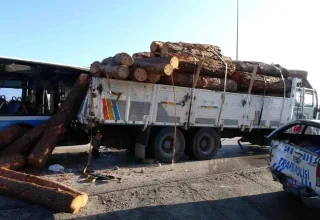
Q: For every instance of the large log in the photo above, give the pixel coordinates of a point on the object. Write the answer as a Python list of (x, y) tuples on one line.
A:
[(10, 134), (95, 69), (12, 162), (264, 69), (153, 78), (204, 82), (141, 55), (116, 72), (210, 67), (138, 74), (156, 48), (154, 68), (272, 84), (298, 73), (61, 121), (198, 50), (174, 61), (37, 190), (28, 139), (119, 59)]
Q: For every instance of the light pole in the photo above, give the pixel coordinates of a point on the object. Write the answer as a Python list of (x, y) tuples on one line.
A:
[(237, 29)]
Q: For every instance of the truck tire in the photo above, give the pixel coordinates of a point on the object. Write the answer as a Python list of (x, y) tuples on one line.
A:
[(163, 143), (205, 144)]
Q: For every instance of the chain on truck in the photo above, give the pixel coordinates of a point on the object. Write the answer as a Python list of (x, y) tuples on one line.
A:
[(142, 116)]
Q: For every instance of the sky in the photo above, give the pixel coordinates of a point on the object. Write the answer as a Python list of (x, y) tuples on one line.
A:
[(79, 32)]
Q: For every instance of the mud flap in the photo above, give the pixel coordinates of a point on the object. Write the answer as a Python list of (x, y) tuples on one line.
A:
[(141, 143)]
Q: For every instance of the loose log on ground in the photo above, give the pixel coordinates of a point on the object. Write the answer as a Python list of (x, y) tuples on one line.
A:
[(116, 72), (273, 84), (174, 61), (12, 162), (37, 190), (153, 78), (10, 134), (204, 82), (141, 55), (198, 50), (210, 67), (95, 69), (138, 74), (264, 69), (154, 68), (44, 147)]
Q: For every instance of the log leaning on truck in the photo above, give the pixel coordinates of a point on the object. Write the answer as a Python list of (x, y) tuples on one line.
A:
[(60, 122)]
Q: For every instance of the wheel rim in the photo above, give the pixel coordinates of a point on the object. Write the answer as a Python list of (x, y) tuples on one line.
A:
[(205, 144), (167, 145)]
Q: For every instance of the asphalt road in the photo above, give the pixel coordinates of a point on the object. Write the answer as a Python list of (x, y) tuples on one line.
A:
[(235, 185)]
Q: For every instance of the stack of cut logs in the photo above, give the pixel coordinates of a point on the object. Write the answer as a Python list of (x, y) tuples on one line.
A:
[(177, 63)]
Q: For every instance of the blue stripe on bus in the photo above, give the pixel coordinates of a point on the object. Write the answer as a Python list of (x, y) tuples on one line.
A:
[(8, 123)]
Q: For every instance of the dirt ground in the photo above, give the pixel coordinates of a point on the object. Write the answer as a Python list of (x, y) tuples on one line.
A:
[(235, 185)]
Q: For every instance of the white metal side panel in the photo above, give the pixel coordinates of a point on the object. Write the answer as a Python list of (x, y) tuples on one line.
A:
[(207, 106), (165, 110), (232, 110)]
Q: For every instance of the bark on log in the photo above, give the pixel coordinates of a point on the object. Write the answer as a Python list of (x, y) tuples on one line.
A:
[(141, 55), (273, 84), (264, 69), (10, 134), (298, 73), (119, 59), (138, 75), (12, 162), (44, 147), (174, 61), (116, 72), (154, 68), (95, 69), (28, 139), (153, 78), (204, 82), (37, 190), (210, 67), (198, 50), (156, 48)]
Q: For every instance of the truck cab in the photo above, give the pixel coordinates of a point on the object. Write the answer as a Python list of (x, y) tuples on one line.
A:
[(306, 104)]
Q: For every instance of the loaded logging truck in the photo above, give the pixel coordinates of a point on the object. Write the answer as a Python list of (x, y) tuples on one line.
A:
[(148, 116)]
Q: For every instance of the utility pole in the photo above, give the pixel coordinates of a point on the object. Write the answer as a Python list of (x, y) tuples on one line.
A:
[(237, 30)]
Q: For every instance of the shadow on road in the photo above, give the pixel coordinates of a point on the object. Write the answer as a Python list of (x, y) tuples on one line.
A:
[(264, 206)]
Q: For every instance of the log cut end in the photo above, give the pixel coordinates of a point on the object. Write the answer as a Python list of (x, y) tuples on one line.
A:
[(123, 72), (153, 78), (140, 75), (78, 202), (123, 59), (174, 61), (106, 61), (168, 69), (164, 50), (95, 68)]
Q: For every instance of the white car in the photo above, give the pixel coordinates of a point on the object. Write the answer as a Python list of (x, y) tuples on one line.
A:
[(294, 159)]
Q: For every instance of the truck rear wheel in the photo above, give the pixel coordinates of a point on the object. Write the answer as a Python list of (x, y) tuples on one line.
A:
[(205, 144), (163, 145)]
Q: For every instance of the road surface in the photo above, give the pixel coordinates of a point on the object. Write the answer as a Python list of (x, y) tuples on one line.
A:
[(235, 185)]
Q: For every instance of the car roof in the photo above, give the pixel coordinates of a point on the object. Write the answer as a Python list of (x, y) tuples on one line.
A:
[(308, 122)]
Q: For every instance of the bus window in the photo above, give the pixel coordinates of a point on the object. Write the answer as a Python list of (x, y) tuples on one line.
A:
[(308, 99)]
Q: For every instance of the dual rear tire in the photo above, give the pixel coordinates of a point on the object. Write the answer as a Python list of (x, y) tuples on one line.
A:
[(202, 144)]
